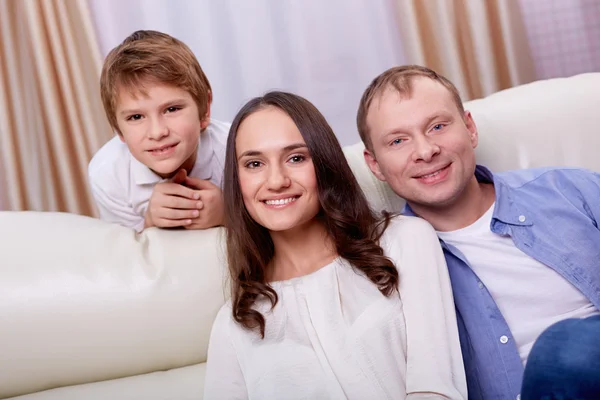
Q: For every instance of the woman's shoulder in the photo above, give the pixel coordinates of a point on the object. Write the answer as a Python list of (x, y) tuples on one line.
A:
[(406, 233), (408, 226), (224, 317), (225, 321)]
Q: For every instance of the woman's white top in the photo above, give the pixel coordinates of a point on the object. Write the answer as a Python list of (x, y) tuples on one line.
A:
[(333, 335)]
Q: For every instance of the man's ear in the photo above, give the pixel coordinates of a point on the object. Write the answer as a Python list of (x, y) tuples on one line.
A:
[(472, 128), (206, 118), (373, 164)]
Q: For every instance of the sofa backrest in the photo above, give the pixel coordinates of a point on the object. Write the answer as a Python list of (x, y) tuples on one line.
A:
[(82, 300), (544, 123)]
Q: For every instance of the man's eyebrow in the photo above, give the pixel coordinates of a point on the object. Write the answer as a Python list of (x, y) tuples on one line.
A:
[(428, 121), (433, 117)]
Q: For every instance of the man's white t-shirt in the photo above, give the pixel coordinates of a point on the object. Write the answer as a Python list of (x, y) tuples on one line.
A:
[(530, 295), (122, 186)]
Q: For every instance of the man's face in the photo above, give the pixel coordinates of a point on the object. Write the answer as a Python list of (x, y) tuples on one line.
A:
[(422, 146)]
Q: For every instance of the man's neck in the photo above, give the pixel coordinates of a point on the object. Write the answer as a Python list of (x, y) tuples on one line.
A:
[(475, 200)]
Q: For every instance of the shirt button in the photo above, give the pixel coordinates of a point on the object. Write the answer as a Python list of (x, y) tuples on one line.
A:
[(480, 284), (503, 339), (521, 218)]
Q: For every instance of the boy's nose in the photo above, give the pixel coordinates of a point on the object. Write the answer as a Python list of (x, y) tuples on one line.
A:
[(158, 130)]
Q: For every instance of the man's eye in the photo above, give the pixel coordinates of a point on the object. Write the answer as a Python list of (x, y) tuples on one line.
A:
[(397, 141), (438, 127), (134, 117)]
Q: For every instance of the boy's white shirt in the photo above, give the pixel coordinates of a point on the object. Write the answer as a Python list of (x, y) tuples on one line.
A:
[(122, 186)]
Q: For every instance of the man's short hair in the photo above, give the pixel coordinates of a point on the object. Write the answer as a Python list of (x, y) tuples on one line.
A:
[(151, 57), (401, 79)]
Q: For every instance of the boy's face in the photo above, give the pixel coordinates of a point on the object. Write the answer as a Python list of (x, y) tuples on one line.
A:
[(161, 127), (422, 146)]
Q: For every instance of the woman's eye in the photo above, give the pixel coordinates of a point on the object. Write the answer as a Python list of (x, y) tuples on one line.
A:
[(297, 158), (253, 164), (134, 117)]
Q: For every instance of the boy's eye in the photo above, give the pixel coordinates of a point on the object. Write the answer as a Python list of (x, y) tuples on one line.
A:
[(437, 127), (173, 109), (253, 164), (397, 141), (134, 117)]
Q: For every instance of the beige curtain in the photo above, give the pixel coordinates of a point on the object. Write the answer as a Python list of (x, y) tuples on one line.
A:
[(51, 117), (480, 45)]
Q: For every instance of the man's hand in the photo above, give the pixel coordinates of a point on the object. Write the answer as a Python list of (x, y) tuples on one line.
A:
[(213, 208), (172, 204)]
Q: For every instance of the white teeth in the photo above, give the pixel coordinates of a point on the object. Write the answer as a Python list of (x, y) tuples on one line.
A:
[(162, 150), (280, 201), (430, 175)]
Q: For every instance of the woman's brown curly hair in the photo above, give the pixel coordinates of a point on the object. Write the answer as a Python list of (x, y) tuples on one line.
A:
[(345, 213)]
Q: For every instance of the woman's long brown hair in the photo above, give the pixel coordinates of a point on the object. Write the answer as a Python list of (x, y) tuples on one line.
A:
[(345, 212)]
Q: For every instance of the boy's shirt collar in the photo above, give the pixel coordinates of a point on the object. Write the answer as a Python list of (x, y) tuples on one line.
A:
[(204, 152), (142, 175)]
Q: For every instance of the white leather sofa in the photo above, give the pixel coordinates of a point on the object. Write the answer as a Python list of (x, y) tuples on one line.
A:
[(93, 311)]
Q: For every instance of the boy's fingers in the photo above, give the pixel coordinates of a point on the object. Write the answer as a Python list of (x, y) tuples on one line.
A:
[(174, 214), (200, 184), (180, 176), (183, 203), (173, 223), (175, 189), (197, 225)]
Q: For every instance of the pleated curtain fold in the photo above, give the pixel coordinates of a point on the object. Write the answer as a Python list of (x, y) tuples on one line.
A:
[(480, 45), (51, 116)]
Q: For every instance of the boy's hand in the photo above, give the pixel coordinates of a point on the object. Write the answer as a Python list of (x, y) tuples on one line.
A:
[(213, 210), (172, 204)]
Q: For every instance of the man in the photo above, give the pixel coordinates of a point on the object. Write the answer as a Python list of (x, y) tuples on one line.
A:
[(522, 247)]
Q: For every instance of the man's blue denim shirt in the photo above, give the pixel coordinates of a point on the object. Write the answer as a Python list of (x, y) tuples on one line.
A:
[(552, 215)]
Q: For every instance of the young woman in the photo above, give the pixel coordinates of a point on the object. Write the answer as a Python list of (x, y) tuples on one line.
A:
[(327, 302)]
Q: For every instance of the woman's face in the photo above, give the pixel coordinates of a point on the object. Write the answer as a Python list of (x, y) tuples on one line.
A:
[(277, 176)]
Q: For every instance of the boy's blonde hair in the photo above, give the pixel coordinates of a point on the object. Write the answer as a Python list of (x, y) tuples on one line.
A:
[(147, 57), (400, 79)]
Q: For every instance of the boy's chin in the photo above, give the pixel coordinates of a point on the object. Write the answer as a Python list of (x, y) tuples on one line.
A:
[(165, 173), (167, 168)]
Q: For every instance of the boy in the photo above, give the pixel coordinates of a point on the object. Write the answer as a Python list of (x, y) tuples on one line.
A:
[(164, 167)]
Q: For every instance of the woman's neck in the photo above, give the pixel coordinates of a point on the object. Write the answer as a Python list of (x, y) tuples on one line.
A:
[(301, 251)]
